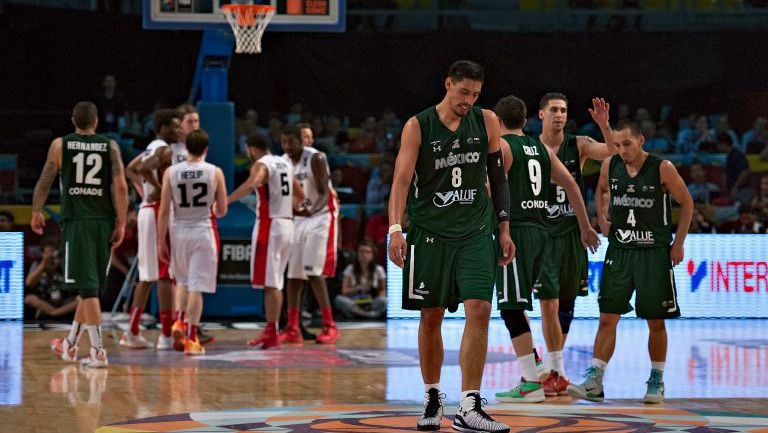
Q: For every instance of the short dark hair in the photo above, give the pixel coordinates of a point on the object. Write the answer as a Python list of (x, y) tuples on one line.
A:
[(292, 129), (725, 139), (8, 215), (85, 114), (511, 111), (197, 142), (164, 117), (304, 125), (633, 127), (462, 69), (551, 96), (257, 140), (185, 109)]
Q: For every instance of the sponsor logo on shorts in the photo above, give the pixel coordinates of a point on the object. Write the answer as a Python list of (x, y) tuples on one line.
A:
[(642, 237), (430, 241), (422, 289), (462, 196)]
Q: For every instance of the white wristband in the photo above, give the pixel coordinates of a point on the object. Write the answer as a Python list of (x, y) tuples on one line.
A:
[(394, 228)]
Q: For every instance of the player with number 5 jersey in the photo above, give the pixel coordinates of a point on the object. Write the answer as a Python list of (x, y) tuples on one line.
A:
[(278, 193)]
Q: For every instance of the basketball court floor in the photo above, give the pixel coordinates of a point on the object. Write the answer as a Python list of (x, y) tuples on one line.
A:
[(716, 381)]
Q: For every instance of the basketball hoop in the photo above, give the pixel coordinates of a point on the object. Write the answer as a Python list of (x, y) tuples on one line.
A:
[(248, 23)]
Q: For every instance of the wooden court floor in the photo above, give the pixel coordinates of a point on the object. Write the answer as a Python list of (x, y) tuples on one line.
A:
[(60, 397)]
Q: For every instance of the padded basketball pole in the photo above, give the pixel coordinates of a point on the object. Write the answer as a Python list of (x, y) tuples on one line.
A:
[(217, 112)]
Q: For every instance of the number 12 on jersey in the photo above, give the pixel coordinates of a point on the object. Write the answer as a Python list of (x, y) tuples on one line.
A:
[(201, 190)]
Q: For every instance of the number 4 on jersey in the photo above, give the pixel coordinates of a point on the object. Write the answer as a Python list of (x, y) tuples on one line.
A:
[(631, 218)]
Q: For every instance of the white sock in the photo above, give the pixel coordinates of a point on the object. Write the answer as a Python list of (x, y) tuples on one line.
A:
[(528, 367), (94, 332), (658, 365), (555, 362), (466, 393), (74, 333), (428, 386), (599, 363)]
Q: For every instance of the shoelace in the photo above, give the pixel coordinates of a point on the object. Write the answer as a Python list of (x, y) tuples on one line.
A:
[(479, 403), (433, 405)]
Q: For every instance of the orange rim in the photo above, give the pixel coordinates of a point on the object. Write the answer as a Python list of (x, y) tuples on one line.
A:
[(246, 13)]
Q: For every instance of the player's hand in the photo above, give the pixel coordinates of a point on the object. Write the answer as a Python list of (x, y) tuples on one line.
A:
[(599, 111), (676, 253), (605, 225), (589, 239), (162, 252), (302, 212), (37, 223), (507, 248), (117, 235), (397, 248)]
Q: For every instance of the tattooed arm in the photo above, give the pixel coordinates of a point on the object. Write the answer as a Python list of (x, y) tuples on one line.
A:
[(120, 195), (43, 187)]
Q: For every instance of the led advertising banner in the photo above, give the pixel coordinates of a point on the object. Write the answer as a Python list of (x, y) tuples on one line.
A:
[(720, 276), (11, 275)]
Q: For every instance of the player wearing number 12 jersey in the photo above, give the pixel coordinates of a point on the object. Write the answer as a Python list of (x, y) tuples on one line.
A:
[(530, 166), (199, 196), (278, 193)]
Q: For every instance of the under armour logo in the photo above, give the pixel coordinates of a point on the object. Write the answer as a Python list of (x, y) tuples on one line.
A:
[(430, 240), (436, 149), (630, 188), (609, 262), (614, 187)]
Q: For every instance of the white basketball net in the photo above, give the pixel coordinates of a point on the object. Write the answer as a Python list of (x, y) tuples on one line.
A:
[(248, 25)]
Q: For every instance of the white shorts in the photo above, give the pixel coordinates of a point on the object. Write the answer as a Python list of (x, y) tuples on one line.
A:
[(271, 245), (150, 267), (195, 257), (314, 247)]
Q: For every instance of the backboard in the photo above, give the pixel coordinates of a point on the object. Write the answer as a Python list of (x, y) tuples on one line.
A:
[(291, 15)]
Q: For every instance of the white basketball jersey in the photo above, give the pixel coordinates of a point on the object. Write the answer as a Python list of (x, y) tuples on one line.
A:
[(275, 198), (193, 186), (302, 170), (151, 149), (180, 153)]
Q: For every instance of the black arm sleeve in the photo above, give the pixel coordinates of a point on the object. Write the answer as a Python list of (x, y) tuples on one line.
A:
[(499, 186)]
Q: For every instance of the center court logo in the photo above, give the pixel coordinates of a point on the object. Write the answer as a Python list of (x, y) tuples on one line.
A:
[(462, 196)]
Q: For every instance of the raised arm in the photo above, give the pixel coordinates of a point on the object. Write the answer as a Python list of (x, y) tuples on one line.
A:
[(588, 147), (258, 176), (602, 199), (120, 194), (43, 187), (497, 181), (405, 165), (563, 177), (671, 180), (220, 206)]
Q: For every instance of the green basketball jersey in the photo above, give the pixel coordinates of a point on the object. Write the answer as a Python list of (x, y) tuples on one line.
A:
[(447, 196), (640, 210), (560, 216), (528, 180), (86, 178)]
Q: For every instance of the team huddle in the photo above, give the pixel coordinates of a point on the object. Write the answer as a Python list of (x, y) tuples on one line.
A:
[(491, 207), (182, 197)]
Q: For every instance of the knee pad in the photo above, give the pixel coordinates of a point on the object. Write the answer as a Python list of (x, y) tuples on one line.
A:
[(565, 314), (516, 322)]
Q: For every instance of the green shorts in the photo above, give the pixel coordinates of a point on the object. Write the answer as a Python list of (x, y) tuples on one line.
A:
[(514, 282), (86, 255), (442, 273), (646, 270), (565, 268)]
